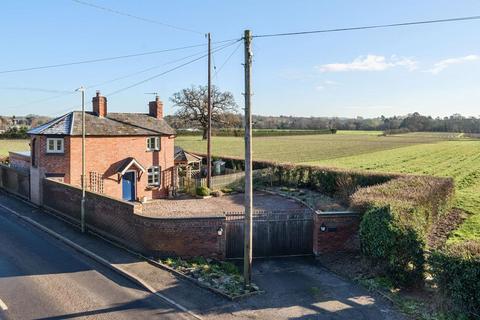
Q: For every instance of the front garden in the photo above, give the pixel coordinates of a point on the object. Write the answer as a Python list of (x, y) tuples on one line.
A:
[(219, 276)]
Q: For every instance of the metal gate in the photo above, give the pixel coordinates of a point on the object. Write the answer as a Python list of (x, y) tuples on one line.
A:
[(279, 233)]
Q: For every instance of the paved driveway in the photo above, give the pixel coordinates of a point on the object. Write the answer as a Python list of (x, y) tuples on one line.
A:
[(299, 288)]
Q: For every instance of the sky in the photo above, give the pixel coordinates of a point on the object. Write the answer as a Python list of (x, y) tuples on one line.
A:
[(432, 69)]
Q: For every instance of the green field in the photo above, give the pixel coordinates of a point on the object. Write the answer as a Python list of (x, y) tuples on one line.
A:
[(12, 145), (298, 149), (439, 154)]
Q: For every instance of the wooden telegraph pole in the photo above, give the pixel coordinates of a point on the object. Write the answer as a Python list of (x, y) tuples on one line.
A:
[(209, 114), (247, 262)]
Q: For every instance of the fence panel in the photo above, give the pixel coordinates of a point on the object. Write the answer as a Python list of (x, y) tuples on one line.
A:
[(274, 233)]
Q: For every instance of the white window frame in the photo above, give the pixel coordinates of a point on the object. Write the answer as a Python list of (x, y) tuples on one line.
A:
[(58, 145), (154, 176), (156, 144)]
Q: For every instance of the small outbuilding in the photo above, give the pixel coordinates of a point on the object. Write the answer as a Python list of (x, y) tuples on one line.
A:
[(187, 162)]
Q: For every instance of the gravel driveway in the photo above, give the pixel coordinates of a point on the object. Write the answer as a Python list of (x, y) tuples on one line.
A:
[(217, 205)]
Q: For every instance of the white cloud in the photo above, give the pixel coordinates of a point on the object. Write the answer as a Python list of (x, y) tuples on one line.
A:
[(443, 64), (370, 62)]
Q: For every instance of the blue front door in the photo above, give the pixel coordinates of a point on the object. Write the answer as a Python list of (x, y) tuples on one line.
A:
[(128, 186)]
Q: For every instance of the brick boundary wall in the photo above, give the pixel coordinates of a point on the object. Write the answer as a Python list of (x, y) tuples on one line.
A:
[(118, 220), (340, 235), (16, 181), (19, 161)]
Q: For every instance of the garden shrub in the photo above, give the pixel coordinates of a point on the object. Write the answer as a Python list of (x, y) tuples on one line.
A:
[(395, 247), (456, 271), (202, 191)]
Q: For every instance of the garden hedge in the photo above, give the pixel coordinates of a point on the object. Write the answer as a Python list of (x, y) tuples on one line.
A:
[(258, 132), (456, 271)]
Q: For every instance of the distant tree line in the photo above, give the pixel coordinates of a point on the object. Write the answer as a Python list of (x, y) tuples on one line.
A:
[(410, 123), (15, 133)]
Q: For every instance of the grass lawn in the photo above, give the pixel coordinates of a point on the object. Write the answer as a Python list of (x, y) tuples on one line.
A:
[(13, 145), (440, 154)]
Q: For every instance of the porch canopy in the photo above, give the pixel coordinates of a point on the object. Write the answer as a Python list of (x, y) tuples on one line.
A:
[(129, 164)]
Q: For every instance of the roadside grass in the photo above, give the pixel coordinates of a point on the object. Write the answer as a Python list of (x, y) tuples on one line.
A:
[(416, 307), (307, 148), (458, 159), (12, 145)]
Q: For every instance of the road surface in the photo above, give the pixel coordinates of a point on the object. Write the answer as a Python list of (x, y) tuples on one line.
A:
[(40, 278)]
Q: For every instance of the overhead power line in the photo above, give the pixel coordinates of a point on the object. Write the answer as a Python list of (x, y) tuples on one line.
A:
[(146, 69), (100, 59), (170, 70), (217, 71), (41, 100), (125, 14), (378, 26), (34, 89), (64, 93)]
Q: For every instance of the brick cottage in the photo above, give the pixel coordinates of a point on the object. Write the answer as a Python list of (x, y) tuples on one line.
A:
[(128, 155)]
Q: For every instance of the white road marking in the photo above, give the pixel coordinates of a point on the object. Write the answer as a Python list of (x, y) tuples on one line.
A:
[(3, 306)]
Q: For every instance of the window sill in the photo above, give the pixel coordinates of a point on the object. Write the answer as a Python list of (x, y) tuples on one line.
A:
[(152, 150), (54, 153), (153, 187)]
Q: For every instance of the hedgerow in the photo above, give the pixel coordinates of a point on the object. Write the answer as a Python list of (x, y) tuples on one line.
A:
[(257, 133), (398, 216), (394, 247), (456, 271)]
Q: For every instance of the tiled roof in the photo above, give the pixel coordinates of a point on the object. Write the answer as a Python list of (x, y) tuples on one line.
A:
[(184, 156), (114, 124)]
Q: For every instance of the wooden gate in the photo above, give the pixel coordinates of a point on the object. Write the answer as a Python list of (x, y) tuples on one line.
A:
[(279, 233)]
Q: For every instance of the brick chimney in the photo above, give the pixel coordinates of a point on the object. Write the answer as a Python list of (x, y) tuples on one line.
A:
[(155, 108), (99, 105)]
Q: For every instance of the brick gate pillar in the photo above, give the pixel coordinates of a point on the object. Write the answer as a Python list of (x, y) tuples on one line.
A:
[(335, 232)]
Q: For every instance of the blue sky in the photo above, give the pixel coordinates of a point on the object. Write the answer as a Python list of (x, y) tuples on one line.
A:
[(432, 69)]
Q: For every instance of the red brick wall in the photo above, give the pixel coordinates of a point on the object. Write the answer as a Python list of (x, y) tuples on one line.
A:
[(116, 219), (103, 155), (51, 163), (341, 233)]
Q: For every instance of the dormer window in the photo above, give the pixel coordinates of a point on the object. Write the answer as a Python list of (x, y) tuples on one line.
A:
[(153, 143), (55, 145)]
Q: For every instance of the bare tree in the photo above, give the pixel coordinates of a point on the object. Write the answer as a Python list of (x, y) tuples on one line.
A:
[(193, 107)]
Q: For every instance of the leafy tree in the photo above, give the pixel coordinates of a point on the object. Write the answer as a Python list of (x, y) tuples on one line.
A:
[(192, 104)]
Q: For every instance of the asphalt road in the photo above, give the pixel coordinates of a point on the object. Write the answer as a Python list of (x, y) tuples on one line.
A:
[(40, 278)]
